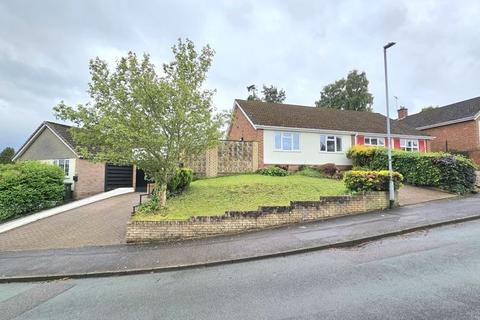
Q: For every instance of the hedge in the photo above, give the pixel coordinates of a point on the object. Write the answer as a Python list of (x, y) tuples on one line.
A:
[(453, 173), (371, 180), (29, 186)]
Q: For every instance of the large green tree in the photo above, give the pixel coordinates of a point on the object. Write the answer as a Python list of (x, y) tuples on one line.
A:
[(347, 94), (140, 117), (6, 155), (270, 94)]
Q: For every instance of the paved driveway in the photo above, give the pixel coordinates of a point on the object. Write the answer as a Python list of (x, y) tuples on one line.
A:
[(411, 195), (100, 223)]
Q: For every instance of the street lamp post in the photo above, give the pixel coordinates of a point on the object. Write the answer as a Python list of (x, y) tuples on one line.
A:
[(391, 190)]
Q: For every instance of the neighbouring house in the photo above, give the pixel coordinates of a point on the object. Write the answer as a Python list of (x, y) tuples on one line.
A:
[(52, 143), (455, 126), (294, 135)]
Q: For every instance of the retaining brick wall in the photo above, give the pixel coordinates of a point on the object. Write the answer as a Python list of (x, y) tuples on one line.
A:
[(265, 217)]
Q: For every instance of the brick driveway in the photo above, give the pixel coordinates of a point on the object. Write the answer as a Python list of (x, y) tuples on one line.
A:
[(100, 223)]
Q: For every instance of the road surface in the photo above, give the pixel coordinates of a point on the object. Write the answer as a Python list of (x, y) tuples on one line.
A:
[(426, 275)]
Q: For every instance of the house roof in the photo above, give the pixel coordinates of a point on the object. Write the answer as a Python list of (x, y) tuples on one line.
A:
[(263, 114), (452, 113), (60, 130)]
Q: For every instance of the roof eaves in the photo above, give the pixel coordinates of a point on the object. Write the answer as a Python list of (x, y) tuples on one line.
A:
[(30, 139)]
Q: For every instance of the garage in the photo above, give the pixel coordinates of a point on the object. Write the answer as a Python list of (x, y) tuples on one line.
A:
[(118, 176)]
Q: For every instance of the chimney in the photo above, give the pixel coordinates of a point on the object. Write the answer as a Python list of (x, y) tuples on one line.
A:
[(402, 112)]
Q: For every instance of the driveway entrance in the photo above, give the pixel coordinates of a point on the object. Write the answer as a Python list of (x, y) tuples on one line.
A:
[(100, 223)]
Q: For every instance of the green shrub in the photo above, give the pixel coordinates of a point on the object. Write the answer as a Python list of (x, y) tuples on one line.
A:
[(273, 171), (371, 180), (450, 172), (180, 182), (148, 207), (310, 172), (29, 186)]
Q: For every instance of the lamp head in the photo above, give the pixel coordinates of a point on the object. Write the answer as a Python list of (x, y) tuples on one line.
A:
[(388, 45)]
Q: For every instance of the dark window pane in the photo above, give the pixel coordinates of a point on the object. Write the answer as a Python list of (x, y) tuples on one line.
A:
[(330, 146)]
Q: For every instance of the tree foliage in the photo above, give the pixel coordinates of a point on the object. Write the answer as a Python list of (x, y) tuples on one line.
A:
[(269, 94), (137, 116), (428, 108), (6, 155), (347, 94)]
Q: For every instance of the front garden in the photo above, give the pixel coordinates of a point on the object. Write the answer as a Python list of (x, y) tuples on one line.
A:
[(214, 196)]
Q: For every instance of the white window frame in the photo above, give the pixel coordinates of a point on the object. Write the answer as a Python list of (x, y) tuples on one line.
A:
[(379, 139), (64, 164), (412, 144), (285, 136), (334, 138)]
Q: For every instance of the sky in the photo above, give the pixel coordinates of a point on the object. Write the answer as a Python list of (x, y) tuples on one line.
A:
[(300, 46)]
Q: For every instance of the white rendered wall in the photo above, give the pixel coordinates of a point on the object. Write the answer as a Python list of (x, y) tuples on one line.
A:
[(309, 153)]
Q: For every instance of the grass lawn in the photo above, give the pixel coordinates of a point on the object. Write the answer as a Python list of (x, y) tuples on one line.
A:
[(243, 192)]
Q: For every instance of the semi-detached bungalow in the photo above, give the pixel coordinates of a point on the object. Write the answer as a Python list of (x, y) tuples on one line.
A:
[(294, 135)]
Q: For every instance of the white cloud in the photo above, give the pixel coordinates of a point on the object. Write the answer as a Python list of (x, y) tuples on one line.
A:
[(300, 46)]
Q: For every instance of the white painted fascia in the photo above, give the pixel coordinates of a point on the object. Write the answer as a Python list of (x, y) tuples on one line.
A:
[(61, 139), (277, 128), (248, 118), (231, 120), (446, 123), (30, 140), (34, 137), (404, 136)]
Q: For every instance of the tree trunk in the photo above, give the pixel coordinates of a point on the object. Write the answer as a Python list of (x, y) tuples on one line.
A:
[(162, 195)]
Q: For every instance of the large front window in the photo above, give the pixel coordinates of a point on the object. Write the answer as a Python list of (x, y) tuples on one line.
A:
[(409, 144), (64, 164), (375, 141), (287, 141), (330, 143)]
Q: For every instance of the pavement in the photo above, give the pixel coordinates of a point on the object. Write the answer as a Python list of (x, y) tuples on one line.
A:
[(130, 259), (104, 222), (96, 224), (423, 275)]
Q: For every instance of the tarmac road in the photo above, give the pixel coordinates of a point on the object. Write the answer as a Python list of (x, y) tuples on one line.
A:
[(433, 274)]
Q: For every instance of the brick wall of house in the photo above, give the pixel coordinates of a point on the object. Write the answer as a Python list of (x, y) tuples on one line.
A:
[(265, 217), (91, 178), (241, 129), (462, 136)]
